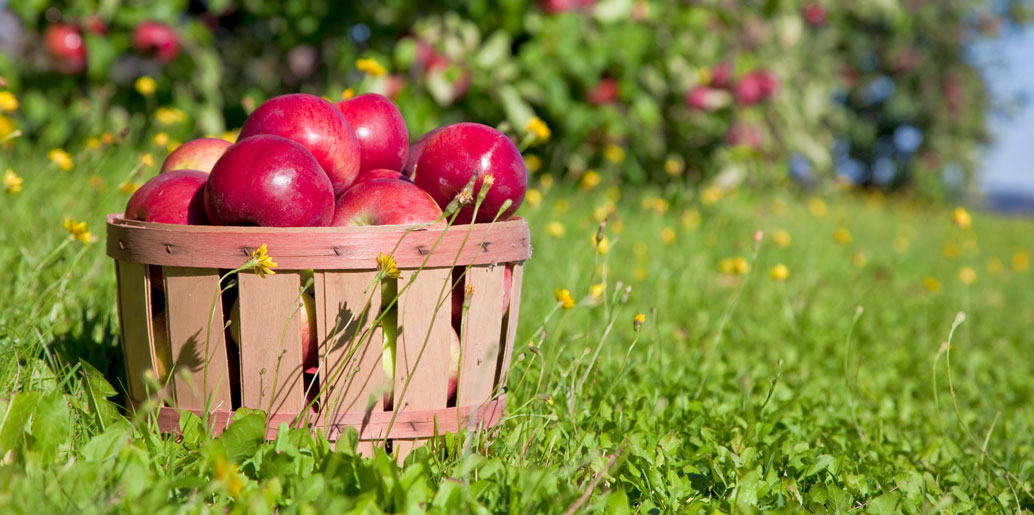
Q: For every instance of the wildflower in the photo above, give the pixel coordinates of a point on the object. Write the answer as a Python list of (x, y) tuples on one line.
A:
[(549, 399), (347, 93), (171, 116), (129, 187), (533, 197), (590, 180), (146, 86), (842, 236), (602, 245), (555, 229), (12, 183), (93, 143), (932, 285), (961, 218), (486, 184), (7, 130), (994, 266), (637, 321), (901, 244), (673, 166), (61, 159), (734, 266), (563, 296), (614, 153), (602, 212), (78, 230), (562, 206), (859, 259), (781, 238), (538, 129), (8, 102), (780, 272), (690, 219), (371, 67), (967, 275), (147, 160), (161, 139), (668, 235), (710, 195), (386, 263), (817, 207), (1020, 260), (597, 290), (107, 138), (532, 163)]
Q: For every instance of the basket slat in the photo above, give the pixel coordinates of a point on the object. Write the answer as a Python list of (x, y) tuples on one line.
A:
[(480, 335), (189, 293), (271, 352), (418, 323), (135, 317), (344, 300), (503, 372)]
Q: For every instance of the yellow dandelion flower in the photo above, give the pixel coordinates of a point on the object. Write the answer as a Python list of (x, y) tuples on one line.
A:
[(78, 230), (637, 321), (602, 212), (779, 272), (727, 266), (562, 206), (597, 290), (7, 129), (532, 163), (781, 238), (817, 207), (673, 166), (261, 263), (533, 197), (602, 246), (961, 218), (734, 266), (668, 235), (657, 204), (639, 273), (94, 143), (161, 139), (842, 236), (950, 250), (546, 181), (12, 183), (146, 86), (129, 187), (995, 266), (538, 129), (170, 116), (614, 153), (371, 67), (386, 263), (107, 138), (967, 275), (563, 296), (690, 219), (590, 180), (858, 259), (1020, 260), (710, 195), (61, 158), (932, 285), (8, 102), (347, 94), (147, 160), (555, 229), (901, 244)]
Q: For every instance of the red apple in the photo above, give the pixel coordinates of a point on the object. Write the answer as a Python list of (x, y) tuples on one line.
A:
[(703, 98), (756, 87), (814, 14), (454, 366), (158, 39), (414, 153), (64, 42), (458, 152), (271, 181), (603, 93), (380, 173), (176, 197), (380, 129), (308, 338), (196, 154), (318, 126), (385, 202)]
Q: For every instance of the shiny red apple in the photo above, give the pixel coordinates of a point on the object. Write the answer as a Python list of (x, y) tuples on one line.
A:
[(414, 152), (380, 173), (176, 197), (318, 126), (270, 181), (196, 154), (380, 129), (458, 152), (385, 202), (64, 43), (157, 39)]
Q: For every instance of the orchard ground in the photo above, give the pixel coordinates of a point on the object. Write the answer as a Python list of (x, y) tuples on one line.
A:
[(824, 384)]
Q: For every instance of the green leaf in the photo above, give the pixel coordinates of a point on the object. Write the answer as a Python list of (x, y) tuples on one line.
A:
[(12, 427), (51, 424), (243, 436)]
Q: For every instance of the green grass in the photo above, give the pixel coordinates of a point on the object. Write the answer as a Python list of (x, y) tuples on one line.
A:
[(794, 399)]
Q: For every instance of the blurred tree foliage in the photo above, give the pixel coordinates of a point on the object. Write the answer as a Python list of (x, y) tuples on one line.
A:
[(878, 93)]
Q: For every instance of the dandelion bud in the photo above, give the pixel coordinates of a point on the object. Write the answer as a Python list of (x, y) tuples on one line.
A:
[(758, 236), (637, 321), (468, 291)]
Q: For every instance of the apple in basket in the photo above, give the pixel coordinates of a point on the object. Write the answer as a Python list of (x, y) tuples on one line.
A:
[(176, 197), (196, 154), (452, 155), (318, 126), (416, 150), (269, 181), (380, 129), (380, 173), (307, 338), (385, 202)]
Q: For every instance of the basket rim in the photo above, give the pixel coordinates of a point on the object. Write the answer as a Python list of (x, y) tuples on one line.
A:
[(319, 248)]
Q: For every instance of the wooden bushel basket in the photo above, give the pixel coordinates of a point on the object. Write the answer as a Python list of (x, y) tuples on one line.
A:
[(266, 372)]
